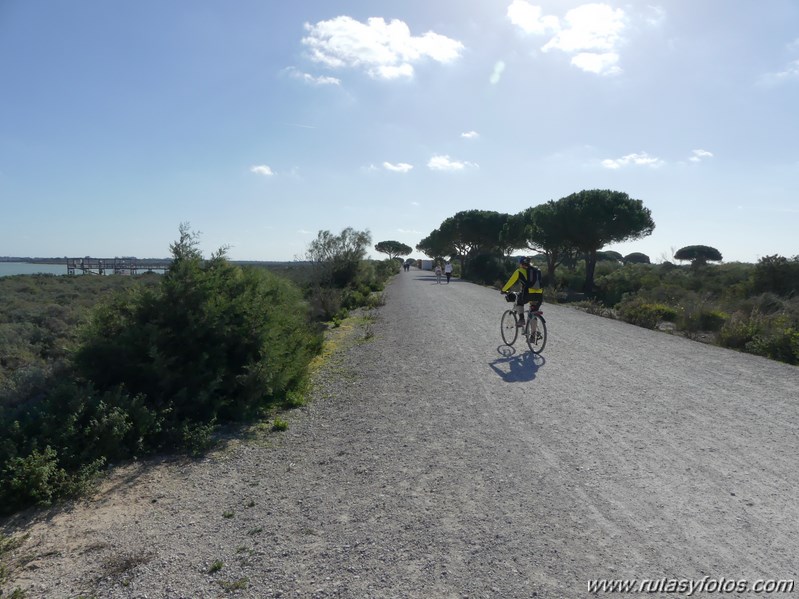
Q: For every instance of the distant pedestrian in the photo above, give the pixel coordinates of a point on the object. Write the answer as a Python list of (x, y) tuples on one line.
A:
[(448, 271), (438, 274)]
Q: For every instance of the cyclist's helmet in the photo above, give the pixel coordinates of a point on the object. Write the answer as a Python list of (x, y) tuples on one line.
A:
[(524, 261)]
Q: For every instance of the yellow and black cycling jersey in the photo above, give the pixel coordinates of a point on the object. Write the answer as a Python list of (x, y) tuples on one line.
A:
[(523, 275)]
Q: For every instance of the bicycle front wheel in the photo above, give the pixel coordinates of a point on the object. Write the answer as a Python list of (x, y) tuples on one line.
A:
[(508, 327), (538, 339)]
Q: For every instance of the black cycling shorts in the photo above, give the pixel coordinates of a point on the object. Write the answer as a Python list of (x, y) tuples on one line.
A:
[(536, 298)]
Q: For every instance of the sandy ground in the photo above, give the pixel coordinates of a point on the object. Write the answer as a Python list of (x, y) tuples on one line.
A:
[(435, 462)]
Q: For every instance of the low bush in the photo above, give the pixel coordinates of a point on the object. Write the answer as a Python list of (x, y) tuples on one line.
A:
[(40, 317), (766, 303), (155, 368), (777, 344), (593, 306), (777, 274), (774, 336), (644, 314), (712, 320), (738, 331), (383, 270), (215, 342), (326, 303)]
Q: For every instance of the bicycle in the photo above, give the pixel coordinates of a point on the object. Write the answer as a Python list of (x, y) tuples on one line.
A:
[(510, 332)]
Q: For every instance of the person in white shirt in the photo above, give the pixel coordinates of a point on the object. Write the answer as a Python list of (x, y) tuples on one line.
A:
[(448, 270)]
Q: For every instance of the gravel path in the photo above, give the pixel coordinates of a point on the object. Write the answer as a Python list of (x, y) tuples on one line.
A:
[(433, 464)]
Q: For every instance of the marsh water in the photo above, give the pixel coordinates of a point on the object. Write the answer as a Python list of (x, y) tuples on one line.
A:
[(27, 268)]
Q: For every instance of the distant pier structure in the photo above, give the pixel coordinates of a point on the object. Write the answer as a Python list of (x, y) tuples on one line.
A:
[(117, 266)]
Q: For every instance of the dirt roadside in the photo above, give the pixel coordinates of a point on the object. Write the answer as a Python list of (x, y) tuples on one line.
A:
[(432, 462)]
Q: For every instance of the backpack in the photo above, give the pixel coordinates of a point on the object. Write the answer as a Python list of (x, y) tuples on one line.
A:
[(534, 278)]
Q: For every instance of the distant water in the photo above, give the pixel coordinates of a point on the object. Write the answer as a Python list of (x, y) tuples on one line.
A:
[(26, 268)]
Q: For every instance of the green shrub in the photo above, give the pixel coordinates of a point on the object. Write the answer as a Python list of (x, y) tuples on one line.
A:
[(613, 286), (40, 317), (37, 478), (697, 314), (385, 269), (80, 429), (197, 437), (157, 368), (570, 279), (375, 300), (782, 345), (702, 320), (712, 320), (593, 306), (214, 343), (645, 314), (765, 303), (774, 336), (331, 302), (607, 266), (354, 298), (326, 303), (730, 279), (777, 274), (337, 259), (738, 331)]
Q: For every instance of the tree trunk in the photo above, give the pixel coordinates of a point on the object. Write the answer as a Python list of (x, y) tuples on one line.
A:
[(552, 262), (590, 267)]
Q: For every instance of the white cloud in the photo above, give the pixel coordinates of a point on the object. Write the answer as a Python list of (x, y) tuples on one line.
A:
[(642, 159), (698, 155), (445, 163), (530, 18), (384, 50), (791, 71), (589, 27), (311, 79), (392, 71), (409, 232), (601, 64), (262, 170), (401, 167), (592, 33), (470, 135)]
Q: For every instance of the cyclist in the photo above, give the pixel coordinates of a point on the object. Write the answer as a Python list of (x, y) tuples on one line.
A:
[(528, 278)]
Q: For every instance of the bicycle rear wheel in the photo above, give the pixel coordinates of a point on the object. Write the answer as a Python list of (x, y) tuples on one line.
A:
[(536, 341), (508, 327)]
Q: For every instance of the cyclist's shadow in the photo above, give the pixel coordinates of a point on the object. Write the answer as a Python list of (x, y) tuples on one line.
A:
[(516, 367)]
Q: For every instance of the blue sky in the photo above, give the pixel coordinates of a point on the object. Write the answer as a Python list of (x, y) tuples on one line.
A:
[(262, 122)]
